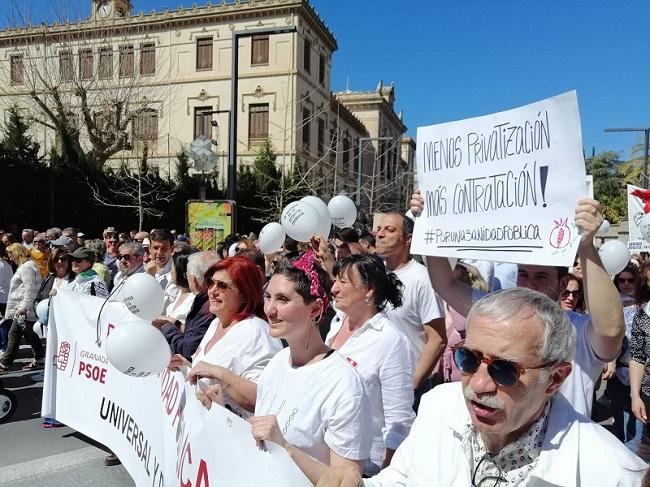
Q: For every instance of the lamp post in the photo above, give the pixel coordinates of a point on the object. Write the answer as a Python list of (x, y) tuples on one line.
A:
[(234, 89), (361, 142), (645, 150)]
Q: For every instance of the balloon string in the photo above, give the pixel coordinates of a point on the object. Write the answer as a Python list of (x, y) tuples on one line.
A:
[(98, 327)]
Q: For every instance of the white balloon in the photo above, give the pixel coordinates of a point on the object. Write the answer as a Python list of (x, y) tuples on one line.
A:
[(300, 220), (342, 210), (614, 255), (271, 238), (604, 228), (137, 349), (644, 226), (40, 329), (43, 311), (323, 212), (143, 296)]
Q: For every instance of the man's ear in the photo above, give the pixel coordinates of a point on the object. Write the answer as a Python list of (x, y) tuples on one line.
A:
[(558, 376)]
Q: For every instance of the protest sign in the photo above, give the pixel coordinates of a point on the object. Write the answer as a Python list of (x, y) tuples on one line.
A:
[(154, 424), (504, 186), (637, 198)]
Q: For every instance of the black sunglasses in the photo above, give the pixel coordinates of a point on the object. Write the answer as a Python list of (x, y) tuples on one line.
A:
[(504, 372), (576, 294), (624, 280), (126, 257)]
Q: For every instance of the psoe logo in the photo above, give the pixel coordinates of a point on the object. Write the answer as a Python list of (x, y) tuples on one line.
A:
[(61, 359)]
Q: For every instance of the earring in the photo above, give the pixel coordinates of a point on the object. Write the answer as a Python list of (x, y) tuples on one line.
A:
[(366, 301)]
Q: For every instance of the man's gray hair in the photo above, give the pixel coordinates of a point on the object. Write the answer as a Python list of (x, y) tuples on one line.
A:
[(135, 248), (199, 262), (558, 342)]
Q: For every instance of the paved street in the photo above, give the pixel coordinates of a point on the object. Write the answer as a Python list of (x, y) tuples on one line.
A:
[(33, 456)]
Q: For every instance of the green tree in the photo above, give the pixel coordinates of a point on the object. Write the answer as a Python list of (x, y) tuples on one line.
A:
[(609, 184)]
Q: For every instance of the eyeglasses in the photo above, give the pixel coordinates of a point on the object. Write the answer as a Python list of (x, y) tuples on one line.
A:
[(77, 260), (239, 249), (113, 242), (576, 294), (487, 473), (221, 285), (504, 372), (626, 280), (126, 257)]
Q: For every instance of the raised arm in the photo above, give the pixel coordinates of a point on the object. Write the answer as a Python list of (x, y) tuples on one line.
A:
[(607, 328), (457, 294)]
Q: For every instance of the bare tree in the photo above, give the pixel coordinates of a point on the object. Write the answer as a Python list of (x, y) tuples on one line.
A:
[(88, 85), (141, 190)]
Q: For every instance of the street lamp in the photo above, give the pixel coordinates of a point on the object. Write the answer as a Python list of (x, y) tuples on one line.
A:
[(234, 85), (645, 150)]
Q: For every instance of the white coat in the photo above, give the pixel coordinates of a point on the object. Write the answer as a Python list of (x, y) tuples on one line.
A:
[(576, 451)]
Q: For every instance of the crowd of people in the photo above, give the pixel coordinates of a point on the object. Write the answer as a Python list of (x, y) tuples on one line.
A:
[(372, 366)]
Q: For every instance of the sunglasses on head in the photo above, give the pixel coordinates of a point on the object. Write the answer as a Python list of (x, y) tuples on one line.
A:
[(504, 372), (628, 280), (576, 294)]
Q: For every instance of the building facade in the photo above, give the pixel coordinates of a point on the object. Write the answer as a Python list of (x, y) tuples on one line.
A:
[(129, 85)]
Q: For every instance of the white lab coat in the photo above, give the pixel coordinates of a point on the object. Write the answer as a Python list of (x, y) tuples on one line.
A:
[(576, 451)]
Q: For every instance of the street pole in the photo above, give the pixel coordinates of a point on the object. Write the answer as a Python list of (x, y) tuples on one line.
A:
[(645, 149), (359, 164), (234, 90)]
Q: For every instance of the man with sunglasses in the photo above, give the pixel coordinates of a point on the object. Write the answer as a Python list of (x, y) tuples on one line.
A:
[(504, 424), (599, 335), (130, 256)]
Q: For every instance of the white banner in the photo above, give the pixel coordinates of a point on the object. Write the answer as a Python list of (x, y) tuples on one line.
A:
[(504, 186), (155, 425), (635, 204)]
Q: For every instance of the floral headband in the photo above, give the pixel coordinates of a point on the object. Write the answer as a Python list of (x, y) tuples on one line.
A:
[(306, 264)]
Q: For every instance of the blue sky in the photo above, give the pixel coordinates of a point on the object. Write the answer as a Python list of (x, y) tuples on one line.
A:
[(456, 59)]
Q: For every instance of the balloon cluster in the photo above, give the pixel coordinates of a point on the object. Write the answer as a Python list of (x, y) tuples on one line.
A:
[(303, 219), (135, 347)]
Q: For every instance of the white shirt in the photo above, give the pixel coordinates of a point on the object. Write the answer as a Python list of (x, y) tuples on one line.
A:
[(164, 278), (244, 350), (179, 311), (420, 304), (505, 275), (576, 452), (319, 407), (381, 355), (578, 388)]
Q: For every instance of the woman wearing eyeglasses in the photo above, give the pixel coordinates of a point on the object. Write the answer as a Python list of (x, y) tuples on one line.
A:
[(237, 345), (571, 296)]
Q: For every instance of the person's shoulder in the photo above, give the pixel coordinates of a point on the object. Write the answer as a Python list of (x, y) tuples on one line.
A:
[(449, 392)]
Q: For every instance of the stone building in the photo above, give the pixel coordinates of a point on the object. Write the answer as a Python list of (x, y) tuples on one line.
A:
[(128, 85)]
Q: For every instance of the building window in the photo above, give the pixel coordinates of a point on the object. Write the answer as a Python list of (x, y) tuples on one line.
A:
[(202, 119), (258, 121), (321, 137), (333, 146), (306, 114), (346, 150), (105, 62), (148, 59), (146, 125), (127, 61), (204, 53), (306, 56), (17, 69), (260, 50), (66, 68), (85, 64), (321, 69)]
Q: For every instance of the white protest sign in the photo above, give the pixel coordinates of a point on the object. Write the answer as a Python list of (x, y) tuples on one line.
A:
[(154, 424), (503, 187), (636, 200)]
